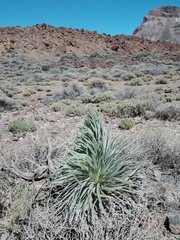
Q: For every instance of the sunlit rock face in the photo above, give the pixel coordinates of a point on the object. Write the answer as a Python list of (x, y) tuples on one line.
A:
[(161, 24)]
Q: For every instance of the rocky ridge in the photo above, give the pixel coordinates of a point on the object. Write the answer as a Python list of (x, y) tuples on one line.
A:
[(161, 24), (44, 41)]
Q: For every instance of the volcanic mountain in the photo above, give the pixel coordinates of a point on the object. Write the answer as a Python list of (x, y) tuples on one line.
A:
[(161, 24)]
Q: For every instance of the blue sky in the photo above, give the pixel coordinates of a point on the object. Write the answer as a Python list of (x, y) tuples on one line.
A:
[(104, 16)]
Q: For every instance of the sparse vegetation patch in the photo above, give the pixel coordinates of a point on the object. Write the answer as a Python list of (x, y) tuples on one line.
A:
[(21, 126)]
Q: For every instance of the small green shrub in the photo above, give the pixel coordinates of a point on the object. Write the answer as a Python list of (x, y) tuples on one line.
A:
[(109, 108), (108, 96), (126, 108), (22, 126), (126, 123), (85, 98), (97, 170), (95, 82), (58, 106), (133, 108), (75, 110), (18, 206)]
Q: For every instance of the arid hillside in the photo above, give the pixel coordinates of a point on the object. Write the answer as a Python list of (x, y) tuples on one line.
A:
[(47, 40), (89, 136)]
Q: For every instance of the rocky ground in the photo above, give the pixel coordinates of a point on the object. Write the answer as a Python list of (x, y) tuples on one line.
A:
[(53, 81)]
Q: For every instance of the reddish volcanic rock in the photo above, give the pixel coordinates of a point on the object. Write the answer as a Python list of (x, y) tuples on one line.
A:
[(44, 41)]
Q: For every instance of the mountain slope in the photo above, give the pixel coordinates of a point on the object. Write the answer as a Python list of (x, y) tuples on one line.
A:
[(43, 41), (161, 24)]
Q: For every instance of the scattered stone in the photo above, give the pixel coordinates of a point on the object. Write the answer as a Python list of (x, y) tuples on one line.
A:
[(172, 223), (4, 236), (148, 115)]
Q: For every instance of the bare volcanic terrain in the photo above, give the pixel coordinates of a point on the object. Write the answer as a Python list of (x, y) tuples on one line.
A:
[(45, 41), (161, 24), (89, 135)]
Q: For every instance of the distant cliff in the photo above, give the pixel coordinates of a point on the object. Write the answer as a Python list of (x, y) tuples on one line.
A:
[(161, 24)]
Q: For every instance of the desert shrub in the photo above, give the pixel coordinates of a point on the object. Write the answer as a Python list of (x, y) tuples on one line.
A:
[(9, 90), (136, 82), (118, 73), (40, 89), (18, 205), (168, 111), (109, 108), (147, 78), (72, 91), (148, 115), (127, 93), (49, 94), (108, 96), (58, 106), (67, 56), (48, 90), (83, 70), (31, 91), (169, 97), (106, 76), (26, 94), (162, 81), (37, 77), (126, 123), (7, 104), (139, 74), (85, 98), (83, 78), (128, 76), (133, 108), (94, 73), (24, 103), (159, 90), (75, 110), (168, 90), (162, 148), (178, 97), (21, 126), (126, 108), (109, 61), (70, 76), (46, 68), (97, 170), (96, 83)]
